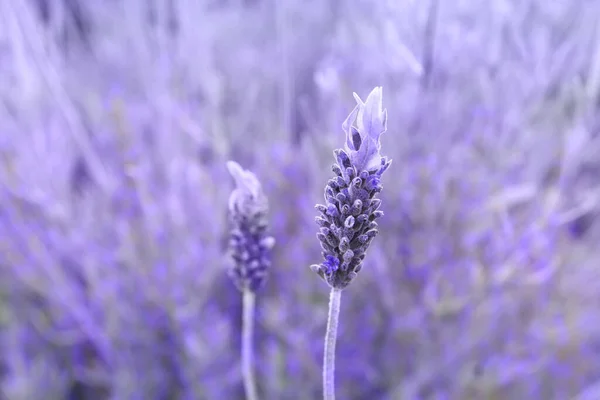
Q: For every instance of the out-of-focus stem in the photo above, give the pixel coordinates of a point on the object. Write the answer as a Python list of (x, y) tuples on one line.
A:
[(247, 345), (330, 339), (429, 42)]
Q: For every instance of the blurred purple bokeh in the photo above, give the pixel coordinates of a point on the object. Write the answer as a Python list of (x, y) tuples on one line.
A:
[(117, 118)]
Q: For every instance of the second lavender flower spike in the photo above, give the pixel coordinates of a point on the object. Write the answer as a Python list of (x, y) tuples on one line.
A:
[(249, 243), (249, 249), (347, 220)]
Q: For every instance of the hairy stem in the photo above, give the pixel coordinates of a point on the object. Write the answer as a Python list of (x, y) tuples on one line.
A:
[(247, 346), (330, 339)]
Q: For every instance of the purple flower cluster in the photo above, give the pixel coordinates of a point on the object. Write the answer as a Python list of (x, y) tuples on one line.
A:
[(348, 219), (249, 244)]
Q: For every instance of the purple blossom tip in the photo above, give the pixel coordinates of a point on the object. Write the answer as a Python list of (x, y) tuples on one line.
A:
[(248, 191), (364, 127)]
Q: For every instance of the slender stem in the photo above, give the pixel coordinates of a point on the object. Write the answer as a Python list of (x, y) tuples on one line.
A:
[(330, 339), (247, 346)]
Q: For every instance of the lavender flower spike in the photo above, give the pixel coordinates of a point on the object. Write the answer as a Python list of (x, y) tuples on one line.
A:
[(249, 244), (249, 247), (347, 220)]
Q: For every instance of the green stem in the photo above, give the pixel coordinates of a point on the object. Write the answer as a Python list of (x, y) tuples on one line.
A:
[(330, 339), (247, 346)]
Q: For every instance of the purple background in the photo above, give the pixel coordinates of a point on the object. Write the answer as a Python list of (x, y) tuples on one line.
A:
[(117, 118)]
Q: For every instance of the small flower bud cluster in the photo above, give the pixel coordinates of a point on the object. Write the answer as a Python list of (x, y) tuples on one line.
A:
[(249, 243), (347, 221)]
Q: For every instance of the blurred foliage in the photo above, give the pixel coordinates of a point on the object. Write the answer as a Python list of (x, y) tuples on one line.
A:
[(117, 118)]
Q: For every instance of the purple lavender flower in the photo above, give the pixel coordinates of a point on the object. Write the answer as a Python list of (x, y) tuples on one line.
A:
[(347, 221), (249, 244)]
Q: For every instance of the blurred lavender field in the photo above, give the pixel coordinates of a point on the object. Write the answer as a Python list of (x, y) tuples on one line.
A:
[(117, 118)]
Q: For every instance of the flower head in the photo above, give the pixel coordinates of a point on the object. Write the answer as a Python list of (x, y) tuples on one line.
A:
[(249, 244), (347, 220)]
